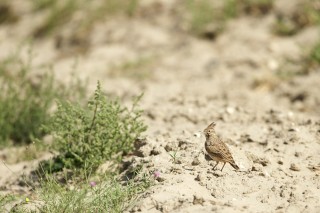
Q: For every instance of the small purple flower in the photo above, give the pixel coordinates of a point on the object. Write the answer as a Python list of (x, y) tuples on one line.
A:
[(93, 184), (156, 174)]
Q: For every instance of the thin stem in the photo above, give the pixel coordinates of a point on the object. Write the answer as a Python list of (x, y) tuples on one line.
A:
[(94, 118)]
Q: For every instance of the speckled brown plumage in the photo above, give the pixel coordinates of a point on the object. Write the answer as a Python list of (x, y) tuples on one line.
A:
[(217, 149)]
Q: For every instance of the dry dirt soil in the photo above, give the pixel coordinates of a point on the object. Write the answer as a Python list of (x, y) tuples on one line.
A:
[(271, 124)]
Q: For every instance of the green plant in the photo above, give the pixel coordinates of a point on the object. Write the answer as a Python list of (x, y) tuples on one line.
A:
[(43, 4), (87, 137), (255, 7), (174, 156), (207, 18), (113, 7), (284, 26), (203, 16), (139, 69), (106, 9), (307, 13), (5, 201), (26, 99), (230, 9), (103, 194), (59, 14), (314, 56), (132, 7), (234, 8), (108, 196), (23, 105)]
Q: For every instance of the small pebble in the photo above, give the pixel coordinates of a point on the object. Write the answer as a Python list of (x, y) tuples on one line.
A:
[(135, 209), (294, 167), (195, 161), (273, 64), (264, 174), (257, 167), (197, 200), (160, 179), (169, 147), (230, 110), (290, 114), (297, 154), (200, 177), (250, 175), (218, 173), (155, 151), (179, 180), (197, 134)]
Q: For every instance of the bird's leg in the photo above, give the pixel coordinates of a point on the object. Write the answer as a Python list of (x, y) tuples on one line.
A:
[(223, 166), (216, 165)]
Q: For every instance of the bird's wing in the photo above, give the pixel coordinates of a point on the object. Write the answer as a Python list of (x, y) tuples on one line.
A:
[(220, 150)]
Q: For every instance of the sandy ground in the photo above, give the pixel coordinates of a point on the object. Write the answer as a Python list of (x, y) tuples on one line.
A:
[(272, 126)]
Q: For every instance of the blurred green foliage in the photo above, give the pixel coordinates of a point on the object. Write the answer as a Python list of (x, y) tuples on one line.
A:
[(26, 99)]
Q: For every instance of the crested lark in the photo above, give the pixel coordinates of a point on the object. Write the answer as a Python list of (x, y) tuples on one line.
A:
[(217, 149)]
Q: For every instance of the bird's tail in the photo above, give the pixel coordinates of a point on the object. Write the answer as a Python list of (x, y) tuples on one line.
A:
[(234, 165)]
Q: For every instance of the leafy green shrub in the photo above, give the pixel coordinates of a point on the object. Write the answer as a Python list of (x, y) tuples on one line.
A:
[(87, 137)]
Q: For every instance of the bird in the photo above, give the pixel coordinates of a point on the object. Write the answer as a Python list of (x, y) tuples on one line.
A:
[(217, 149)]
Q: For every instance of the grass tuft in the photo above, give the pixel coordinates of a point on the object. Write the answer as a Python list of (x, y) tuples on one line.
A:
[(59, 15), (306, 14), (207, 18), (23, 104), (104, 195), (314, 56)]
